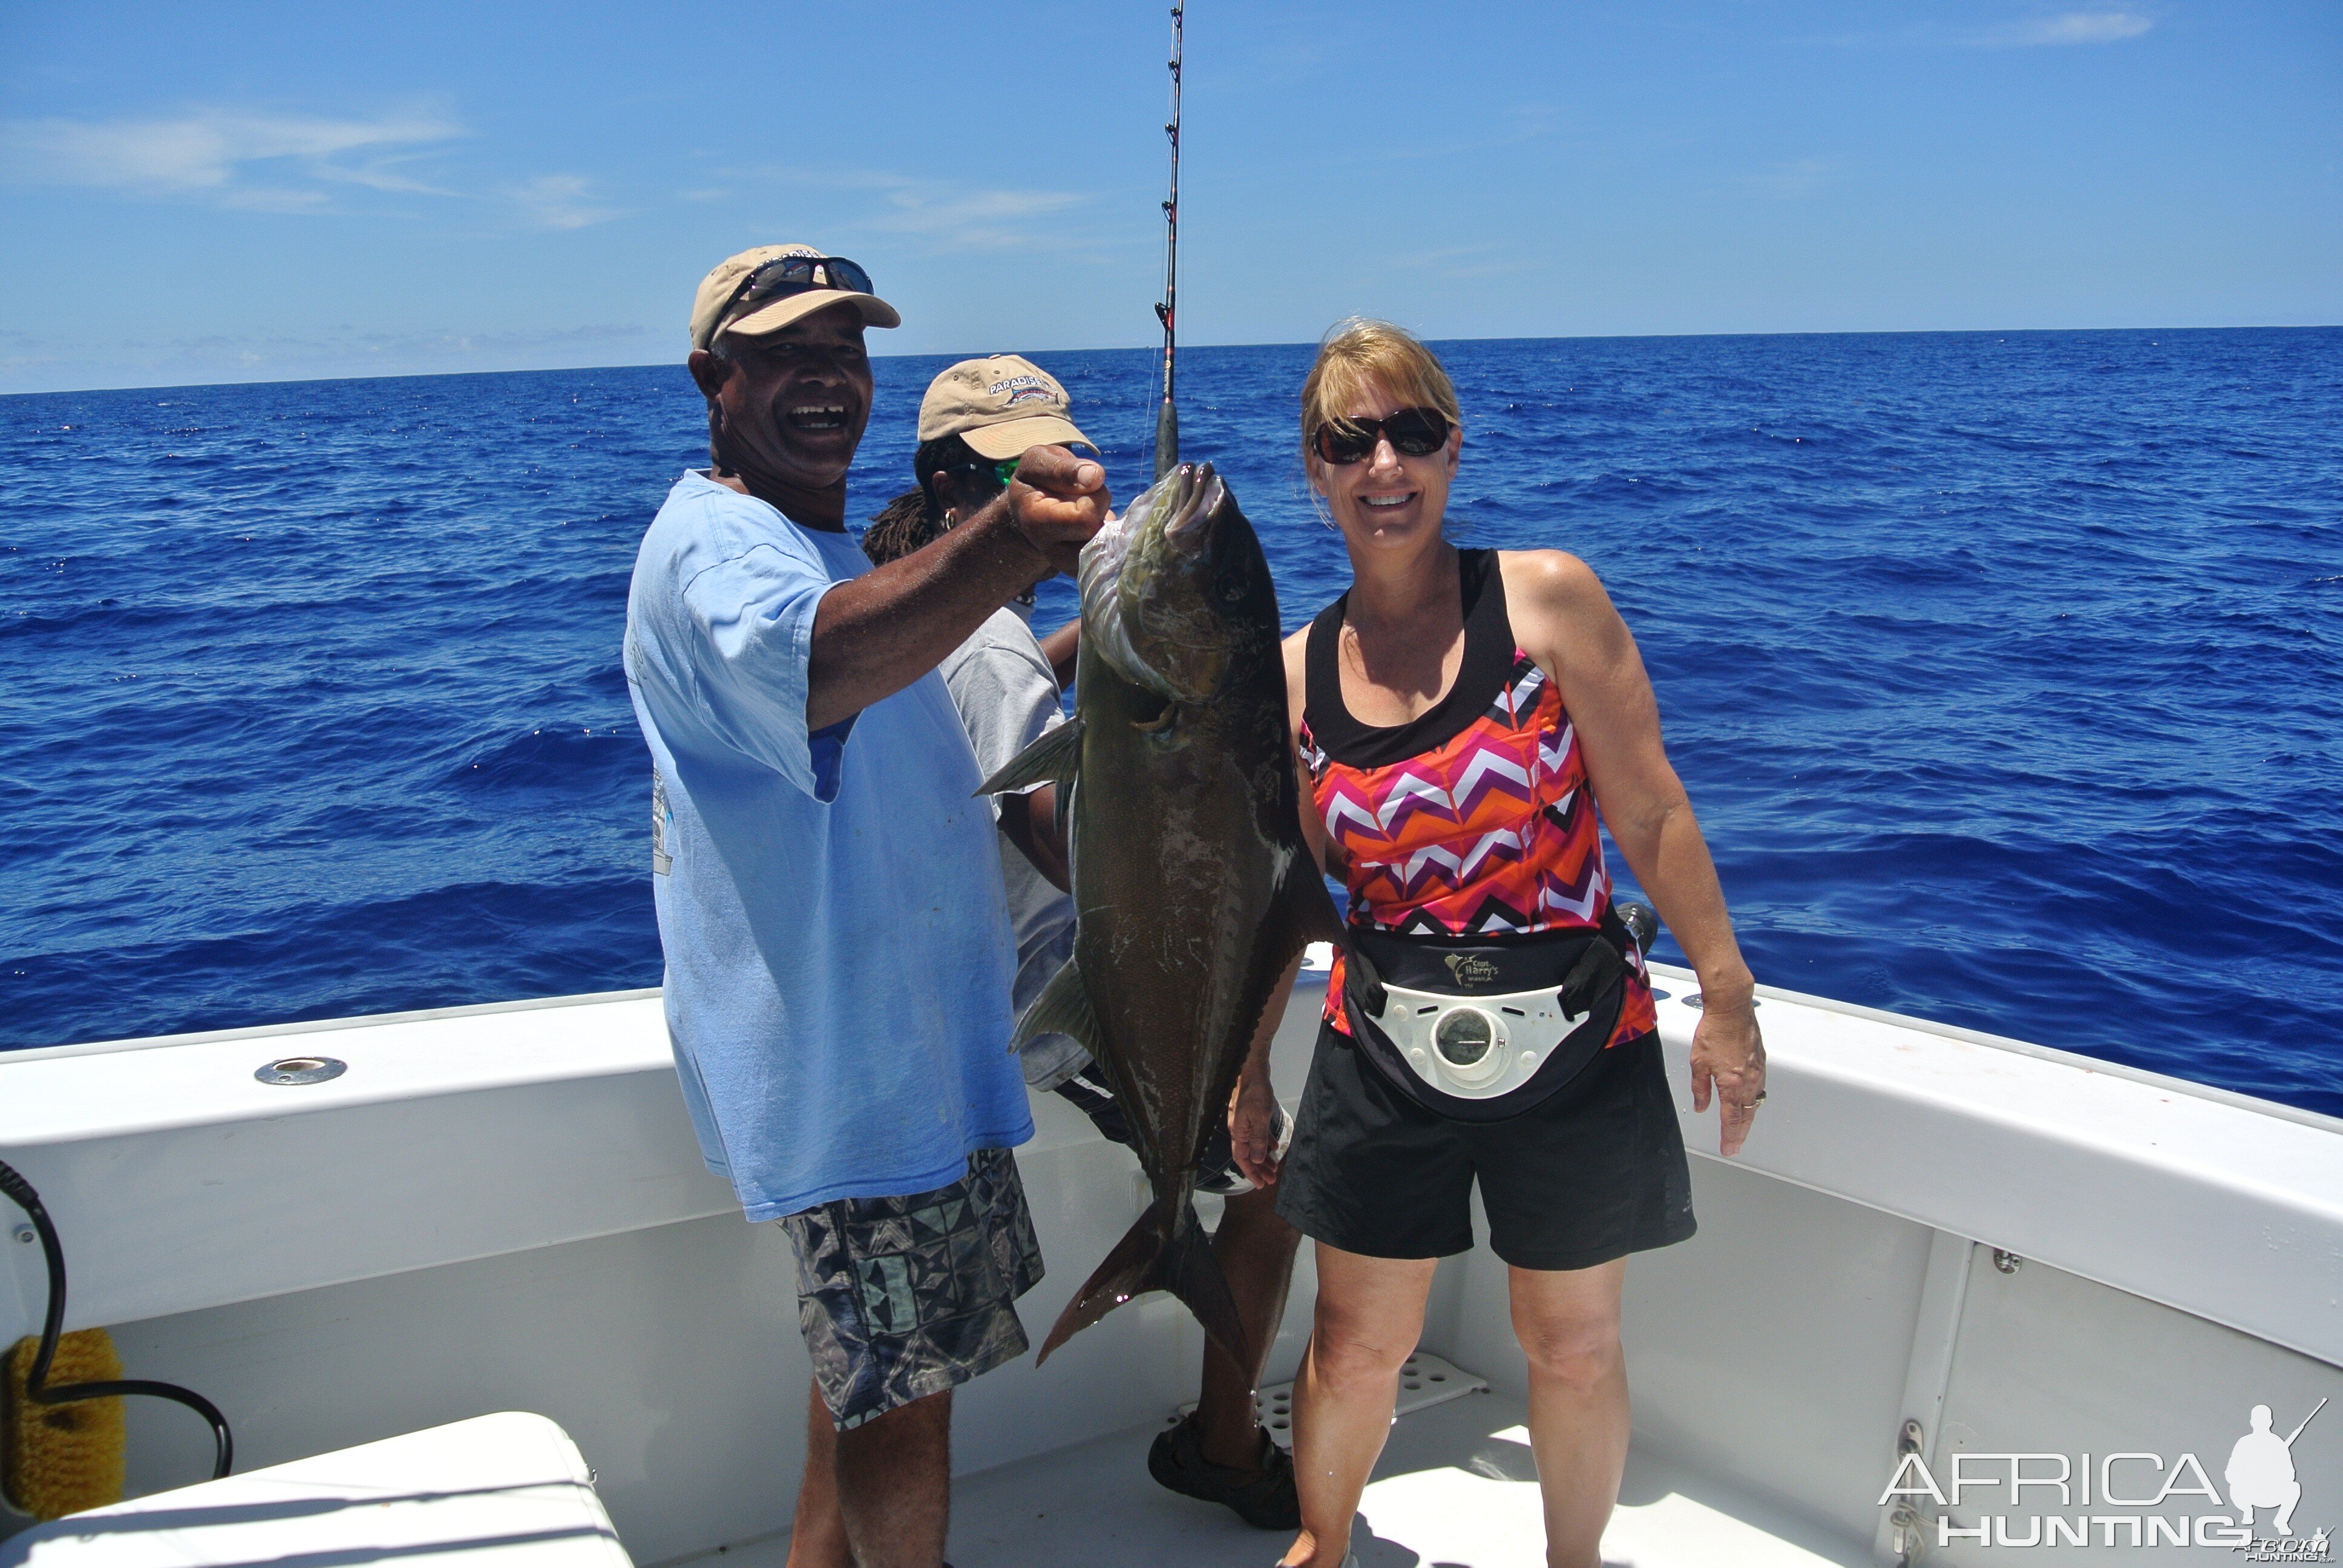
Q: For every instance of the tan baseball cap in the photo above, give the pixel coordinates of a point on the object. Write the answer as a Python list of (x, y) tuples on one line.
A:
[(717, 289), (1000, 406)]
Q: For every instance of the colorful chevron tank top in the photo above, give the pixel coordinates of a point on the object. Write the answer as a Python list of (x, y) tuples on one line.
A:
[(1474, 819)]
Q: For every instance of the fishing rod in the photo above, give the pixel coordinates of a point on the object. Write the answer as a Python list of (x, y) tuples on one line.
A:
[(1167, 418)]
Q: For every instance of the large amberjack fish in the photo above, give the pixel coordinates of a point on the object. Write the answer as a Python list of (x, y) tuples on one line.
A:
[(1193, 884)]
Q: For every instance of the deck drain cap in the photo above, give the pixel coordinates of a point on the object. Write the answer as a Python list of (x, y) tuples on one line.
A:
[(302, 1070)]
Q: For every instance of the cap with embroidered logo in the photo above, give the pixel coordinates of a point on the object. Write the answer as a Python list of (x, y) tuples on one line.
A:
[(1000, 405)]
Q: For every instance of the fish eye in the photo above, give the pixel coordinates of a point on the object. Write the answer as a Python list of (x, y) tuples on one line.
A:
[(1231, 588)]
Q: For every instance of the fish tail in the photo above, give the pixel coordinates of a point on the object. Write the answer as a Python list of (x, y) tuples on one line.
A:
[(1165, 1250)]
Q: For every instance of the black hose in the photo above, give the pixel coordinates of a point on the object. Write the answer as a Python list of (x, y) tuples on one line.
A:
[(35, 1381)]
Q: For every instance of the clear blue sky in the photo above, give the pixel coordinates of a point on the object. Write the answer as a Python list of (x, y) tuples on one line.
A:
[(223, 191)]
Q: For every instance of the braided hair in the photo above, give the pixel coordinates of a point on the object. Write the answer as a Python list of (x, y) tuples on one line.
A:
[(903, 525)]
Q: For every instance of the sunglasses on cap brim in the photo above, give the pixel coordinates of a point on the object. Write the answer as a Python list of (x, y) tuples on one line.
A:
[(787, 275), (1413, 433)]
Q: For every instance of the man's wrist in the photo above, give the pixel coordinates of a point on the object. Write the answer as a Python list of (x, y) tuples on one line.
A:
[(997, 526)]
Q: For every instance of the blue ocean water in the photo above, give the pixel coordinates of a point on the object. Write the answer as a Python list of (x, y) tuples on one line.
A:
[(2005, 671)]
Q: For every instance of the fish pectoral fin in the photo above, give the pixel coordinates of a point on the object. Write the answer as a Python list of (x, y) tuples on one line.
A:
[(1311, 908), (1055, 759), (1063, 1008), (1314, 919)]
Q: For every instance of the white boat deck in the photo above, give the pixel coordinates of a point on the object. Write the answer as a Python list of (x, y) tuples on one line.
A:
[(1456, 1486)]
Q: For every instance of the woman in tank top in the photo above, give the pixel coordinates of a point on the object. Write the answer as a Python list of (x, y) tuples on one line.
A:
[(1464, 721)]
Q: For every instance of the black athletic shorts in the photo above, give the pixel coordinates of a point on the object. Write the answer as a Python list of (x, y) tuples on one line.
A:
[(1596, 1173)]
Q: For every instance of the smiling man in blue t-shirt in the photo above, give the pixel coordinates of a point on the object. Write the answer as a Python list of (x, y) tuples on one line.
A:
[(839, 955)]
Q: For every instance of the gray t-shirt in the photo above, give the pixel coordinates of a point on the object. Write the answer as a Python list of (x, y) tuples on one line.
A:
[(1007, 694)]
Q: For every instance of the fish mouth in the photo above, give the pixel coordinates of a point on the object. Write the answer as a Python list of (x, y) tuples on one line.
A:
[(1100, 577), (1188, 526), (1166, 535)]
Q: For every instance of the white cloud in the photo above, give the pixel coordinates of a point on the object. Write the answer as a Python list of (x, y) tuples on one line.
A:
[(1457, 261), (254, 162), (2073, 28), (562, 201), (1796, 179), (378, 175), (263, 198), (208, 152), (2109, 25), (949, 215), (29, 363), (975, 219)]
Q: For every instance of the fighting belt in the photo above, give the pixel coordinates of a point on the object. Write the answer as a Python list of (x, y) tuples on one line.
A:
[(1481, 1029)]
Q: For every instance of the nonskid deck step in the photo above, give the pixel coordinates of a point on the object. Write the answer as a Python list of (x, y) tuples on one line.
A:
[(1424, 1380)]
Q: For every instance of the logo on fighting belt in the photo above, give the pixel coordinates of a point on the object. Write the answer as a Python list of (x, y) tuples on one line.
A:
[(1470, 968)]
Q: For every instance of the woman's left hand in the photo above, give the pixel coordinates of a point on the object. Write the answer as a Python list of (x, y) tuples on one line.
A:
[(1728, 1053)]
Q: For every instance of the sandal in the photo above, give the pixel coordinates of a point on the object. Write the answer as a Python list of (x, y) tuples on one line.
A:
[(1263, 1498)]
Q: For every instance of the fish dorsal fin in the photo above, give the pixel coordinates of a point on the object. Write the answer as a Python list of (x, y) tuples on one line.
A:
[(1054, 758), (1063, 1008)]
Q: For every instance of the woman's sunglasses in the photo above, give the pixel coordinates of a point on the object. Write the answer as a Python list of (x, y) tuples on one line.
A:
[(1413, 433)]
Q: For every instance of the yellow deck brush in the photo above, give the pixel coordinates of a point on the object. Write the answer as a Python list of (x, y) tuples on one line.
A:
[(60, 1458)]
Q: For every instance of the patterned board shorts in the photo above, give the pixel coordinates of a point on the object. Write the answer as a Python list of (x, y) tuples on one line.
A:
[(900, 1298)]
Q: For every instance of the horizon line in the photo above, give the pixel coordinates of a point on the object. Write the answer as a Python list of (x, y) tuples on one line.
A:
[(1155, 349)]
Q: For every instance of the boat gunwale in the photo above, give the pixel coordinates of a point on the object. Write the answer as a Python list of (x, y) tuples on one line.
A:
[(2195, 1142), (2235, 1099)]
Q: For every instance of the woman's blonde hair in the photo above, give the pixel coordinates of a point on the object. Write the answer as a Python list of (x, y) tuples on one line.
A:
[(1359, 352)]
